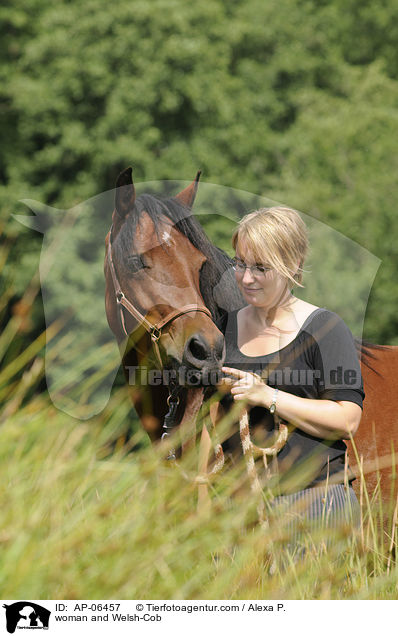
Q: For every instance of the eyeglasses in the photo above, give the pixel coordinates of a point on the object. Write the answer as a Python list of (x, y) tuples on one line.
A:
[(256, 270)]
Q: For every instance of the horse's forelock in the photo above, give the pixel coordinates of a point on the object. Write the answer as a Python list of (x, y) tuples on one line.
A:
[(181, 217)]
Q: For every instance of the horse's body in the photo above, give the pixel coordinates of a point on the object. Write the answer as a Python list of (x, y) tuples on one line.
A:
[(376, 440), (162, 261)]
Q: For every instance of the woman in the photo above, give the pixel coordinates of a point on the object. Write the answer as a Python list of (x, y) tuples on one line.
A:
[(293, 358)]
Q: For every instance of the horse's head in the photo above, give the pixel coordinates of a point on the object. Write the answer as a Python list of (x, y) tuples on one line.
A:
[(153, 286)]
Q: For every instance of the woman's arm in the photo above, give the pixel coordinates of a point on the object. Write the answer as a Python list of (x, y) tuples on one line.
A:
[(326, 419)]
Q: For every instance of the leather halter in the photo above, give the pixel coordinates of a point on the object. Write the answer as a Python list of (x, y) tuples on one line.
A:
[(154, 329)]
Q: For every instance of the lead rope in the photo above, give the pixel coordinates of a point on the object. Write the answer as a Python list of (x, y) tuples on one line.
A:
[(249, 449)]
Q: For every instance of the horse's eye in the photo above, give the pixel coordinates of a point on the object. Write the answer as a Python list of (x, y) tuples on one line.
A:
[(136, 263)]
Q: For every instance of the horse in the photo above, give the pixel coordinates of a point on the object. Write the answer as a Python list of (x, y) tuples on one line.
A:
[(160, 271), (160, 274)]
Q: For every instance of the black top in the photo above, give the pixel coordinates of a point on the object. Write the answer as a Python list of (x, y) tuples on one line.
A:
[(321, 362)]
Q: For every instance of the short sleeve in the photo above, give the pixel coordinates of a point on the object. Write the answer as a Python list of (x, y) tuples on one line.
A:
[(336, 362)]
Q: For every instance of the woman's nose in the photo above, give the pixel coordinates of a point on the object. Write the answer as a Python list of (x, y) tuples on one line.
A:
[(248, 276)]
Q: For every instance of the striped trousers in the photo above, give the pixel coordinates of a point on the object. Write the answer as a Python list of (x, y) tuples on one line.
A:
[(315, 509)]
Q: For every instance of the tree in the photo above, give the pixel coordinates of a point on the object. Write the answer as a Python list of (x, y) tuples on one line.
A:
[(264, 97)]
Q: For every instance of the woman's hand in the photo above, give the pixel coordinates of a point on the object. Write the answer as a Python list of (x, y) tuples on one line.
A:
[(249, 387)]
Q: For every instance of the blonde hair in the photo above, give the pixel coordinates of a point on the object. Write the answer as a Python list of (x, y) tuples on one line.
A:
[(277, 237)]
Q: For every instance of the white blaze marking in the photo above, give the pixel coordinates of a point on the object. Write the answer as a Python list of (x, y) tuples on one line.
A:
[(166, 236)]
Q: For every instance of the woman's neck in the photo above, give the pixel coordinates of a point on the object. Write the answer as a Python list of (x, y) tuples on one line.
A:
[(272, 315)]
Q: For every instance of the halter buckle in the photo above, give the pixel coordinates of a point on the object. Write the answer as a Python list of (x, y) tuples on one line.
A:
[(119, 297), (155, 334)]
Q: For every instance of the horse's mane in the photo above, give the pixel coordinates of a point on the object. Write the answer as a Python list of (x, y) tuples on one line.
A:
[(218, 264), (365, 351)]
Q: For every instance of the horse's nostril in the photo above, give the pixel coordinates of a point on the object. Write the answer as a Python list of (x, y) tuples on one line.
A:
[(198, 349)]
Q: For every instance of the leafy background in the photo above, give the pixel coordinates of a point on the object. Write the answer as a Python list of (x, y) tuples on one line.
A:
[(293, 100)]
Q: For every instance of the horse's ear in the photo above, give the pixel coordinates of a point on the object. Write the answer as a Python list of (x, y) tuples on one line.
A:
[(125, 193), (187, 196)]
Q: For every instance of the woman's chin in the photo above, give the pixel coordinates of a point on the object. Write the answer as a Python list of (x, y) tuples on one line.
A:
[(254, 297)]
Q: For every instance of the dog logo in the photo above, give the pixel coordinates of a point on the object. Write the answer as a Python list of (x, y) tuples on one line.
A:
[(26, 615)]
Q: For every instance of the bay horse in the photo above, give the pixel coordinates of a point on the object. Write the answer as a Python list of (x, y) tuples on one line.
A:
[(160, 271), (160, 274), (376, 441)]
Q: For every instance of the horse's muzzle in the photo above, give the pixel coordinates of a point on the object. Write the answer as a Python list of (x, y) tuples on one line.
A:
[(201, 362), (200, 354)]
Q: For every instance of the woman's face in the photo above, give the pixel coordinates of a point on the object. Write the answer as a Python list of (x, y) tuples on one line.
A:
[(260, 289)]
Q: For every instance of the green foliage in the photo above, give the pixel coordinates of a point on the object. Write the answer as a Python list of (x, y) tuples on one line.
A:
[(294, 100), (341, 165)]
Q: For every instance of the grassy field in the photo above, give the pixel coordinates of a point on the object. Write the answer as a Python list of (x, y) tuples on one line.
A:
[(82, 517)]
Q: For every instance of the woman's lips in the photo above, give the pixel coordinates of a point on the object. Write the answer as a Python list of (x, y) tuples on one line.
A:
[(251, 289)]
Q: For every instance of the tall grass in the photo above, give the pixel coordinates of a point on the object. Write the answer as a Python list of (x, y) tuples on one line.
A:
[(77, 526), (81, 521)]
